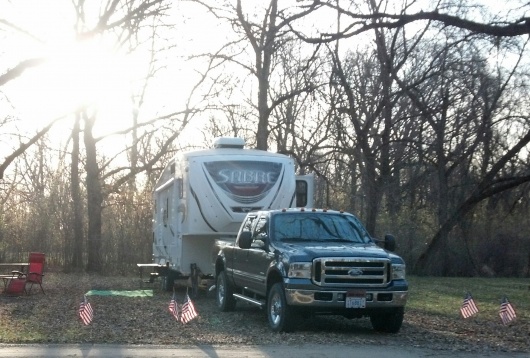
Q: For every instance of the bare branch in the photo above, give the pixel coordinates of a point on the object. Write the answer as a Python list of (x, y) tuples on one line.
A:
[(367, 22), (20, 68), (9, 159)]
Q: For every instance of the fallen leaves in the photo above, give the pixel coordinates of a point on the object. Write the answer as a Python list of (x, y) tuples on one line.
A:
[(52, 318)]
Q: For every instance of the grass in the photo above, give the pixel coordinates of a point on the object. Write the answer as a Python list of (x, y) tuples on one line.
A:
[(443, 295)]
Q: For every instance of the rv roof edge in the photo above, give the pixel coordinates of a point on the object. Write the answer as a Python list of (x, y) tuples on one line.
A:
[(228, 142)]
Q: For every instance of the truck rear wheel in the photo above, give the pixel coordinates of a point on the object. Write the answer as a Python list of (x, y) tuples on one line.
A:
[(224, 293), (280, 314), (388, 322)]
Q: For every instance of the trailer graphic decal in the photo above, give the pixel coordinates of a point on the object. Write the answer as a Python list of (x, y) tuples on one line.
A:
[(200, 210), (245, 182)]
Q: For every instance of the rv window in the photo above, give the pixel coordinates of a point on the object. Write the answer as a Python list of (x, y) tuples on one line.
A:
[(301, 193)]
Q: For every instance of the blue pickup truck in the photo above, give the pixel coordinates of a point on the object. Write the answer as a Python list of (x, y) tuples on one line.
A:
[(295, 262)]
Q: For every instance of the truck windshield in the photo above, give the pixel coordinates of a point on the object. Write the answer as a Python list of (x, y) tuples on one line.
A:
[(318, 227)]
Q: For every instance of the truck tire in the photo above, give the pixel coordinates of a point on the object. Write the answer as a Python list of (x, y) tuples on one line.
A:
[(388, 322), (224, 296), (281, 316)]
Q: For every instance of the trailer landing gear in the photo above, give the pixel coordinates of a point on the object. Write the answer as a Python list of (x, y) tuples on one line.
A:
[(195, 272)]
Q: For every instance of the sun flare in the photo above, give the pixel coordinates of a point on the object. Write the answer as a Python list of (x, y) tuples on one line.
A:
[(86, 74)]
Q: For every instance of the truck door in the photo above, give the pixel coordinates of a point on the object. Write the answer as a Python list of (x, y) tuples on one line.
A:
[(241, 278), (258, 258)]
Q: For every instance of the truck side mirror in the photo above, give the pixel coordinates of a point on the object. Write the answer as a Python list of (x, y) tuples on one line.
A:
[(390, 242), (245, 239)]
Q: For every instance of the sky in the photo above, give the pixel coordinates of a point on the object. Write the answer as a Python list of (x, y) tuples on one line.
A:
[(95, 72)]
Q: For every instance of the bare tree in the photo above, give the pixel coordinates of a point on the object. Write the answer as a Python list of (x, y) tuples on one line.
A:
[(461, 114), (265, 35), (450, 14), (448, 24)]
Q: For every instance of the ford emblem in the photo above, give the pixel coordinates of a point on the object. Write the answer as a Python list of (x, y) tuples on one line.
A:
[(355, 272)]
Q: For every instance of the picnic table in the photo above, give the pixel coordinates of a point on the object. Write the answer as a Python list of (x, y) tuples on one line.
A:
[(152, 266), (8, 267), (20, 266), (156, 271)]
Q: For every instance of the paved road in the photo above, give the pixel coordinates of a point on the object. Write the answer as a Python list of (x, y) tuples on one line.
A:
[(284, 351)]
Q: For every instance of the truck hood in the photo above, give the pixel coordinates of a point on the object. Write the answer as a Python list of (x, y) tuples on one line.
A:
[(311, 251)]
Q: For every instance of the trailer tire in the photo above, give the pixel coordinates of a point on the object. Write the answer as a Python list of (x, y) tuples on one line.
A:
[(224, 296)]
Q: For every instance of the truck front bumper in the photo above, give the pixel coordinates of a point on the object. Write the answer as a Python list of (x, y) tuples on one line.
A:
[(337, 299)]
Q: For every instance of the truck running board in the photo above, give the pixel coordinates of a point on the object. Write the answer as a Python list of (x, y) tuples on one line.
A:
[(252, 301)]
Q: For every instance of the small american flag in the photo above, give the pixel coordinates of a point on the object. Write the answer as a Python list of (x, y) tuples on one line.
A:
[(85, 311), (506, 311), (174, 308), (469, 308), (188, 311)]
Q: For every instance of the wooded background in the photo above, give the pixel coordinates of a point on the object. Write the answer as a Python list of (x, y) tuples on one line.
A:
[(414, 115)]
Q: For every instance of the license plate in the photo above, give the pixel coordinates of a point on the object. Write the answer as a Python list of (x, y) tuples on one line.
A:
[(356, 299)]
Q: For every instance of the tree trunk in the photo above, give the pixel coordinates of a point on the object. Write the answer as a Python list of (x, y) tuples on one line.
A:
[(94, 199), (77, 249), (382, 184), (430, 261), (373, 194), (264, 51)]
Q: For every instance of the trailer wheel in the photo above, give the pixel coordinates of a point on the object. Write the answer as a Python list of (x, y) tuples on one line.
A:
[(225, 294), (281, 316)]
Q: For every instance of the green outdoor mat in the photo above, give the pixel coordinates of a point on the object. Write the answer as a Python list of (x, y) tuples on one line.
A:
[(136, 293)]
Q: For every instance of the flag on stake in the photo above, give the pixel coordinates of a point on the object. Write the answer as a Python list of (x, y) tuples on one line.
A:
[(174, 307), (469, 308), (188, 311), (506, 311), (85, 311)]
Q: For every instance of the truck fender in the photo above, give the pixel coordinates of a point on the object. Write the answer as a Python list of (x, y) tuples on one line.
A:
[(275, 274)]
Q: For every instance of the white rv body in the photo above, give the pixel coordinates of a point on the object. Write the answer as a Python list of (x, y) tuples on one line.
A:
[(203, 196)]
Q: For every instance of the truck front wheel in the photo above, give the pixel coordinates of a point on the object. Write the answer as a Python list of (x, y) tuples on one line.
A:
[(280, 315), (225, 294), (388, 322)]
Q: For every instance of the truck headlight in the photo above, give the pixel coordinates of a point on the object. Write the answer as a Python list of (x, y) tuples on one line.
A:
[(299, 270), (398, 271)]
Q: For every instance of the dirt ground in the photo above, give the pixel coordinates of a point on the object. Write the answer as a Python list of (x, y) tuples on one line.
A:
[(52, 318)]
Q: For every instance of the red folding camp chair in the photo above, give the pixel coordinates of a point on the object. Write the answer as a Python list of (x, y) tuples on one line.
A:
[(15, 287), (35, 271)]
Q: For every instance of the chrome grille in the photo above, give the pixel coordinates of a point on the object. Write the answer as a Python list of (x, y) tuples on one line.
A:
[(351, 272)]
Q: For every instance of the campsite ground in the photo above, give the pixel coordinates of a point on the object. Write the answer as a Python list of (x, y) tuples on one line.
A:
[(52, 318)]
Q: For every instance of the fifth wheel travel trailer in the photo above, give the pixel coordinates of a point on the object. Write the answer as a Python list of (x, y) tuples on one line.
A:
[(202, 197)]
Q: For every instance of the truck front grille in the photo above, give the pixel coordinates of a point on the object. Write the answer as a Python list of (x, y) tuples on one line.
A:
[(351, 272)]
